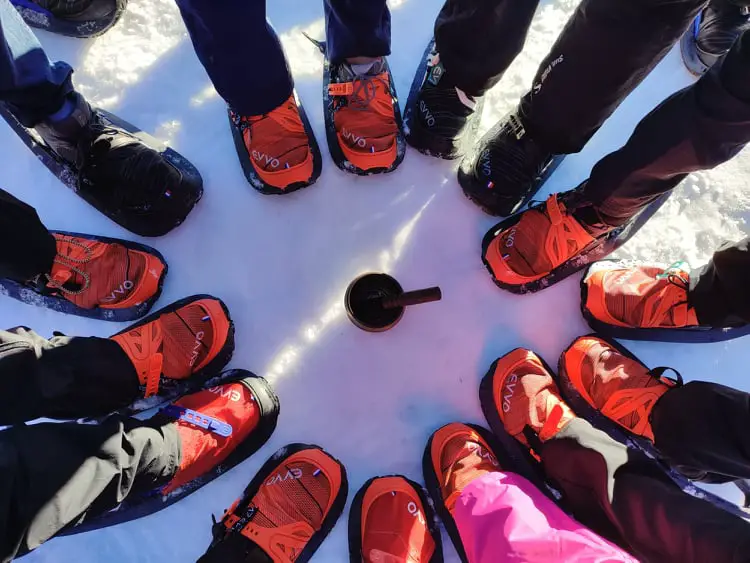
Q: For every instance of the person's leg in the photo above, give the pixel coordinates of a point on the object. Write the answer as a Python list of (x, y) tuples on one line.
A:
[(356, 29), (361, 106), (697, 128), (475, 42), (502, 515), (703, 426), (55, 475), (616, 491), (62, 377), (697, 426), (33, 248), (478, 40), (240, 52), (604, 52), (33, 87), (718, 290), (70, 378)]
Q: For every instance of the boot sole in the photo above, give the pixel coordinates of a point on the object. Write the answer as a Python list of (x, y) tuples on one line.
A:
[(28, 295)]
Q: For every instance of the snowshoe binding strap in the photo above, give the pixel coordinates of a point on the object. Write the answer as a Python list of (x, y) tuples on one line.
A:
[(198, 419)]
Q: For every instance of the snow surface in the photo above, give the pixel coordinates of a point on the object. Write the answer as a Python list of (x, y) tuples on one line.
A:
[(282, 264)]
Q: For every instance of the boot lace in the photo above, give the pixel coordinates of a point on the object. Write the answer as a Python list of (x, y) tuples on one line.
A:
[(67, 262)]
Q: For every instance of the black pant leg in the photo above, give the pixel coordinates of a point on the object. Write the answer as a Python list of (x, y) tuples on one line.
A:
[(62, 377), (620, 495), (604, 52), (56, 475), (696, 128), (704, 426), (719, 290), (29, 248), (479, 39)]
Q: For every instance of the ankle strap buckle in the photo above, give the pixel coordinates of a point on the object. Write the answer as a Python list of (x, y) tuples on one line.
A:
[(514, 122), (198, 419)]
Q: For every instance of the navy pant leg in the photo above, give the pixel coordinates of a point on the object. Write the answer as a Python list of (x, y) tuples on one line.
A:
[(240, 52)]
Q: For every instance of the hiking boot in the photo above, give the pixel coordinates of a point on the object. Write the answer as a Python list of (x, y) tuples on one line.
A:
[(391, 520), (614, 383), (117, 172), (526, 397), (444, 119), (542, 239), (285, 512), (712, 34), (363, 109), (639, 296), (279, 148), (92, 274), (192, 338), (506, 168)]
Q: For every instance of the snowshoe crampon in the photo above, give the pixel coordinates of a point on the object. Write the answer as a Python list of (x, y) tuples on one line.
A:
[(162, 216)]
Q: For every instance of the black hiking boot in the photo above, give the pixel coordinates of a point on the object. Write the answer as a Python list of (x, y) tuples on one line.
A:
[(118, 173), (506, 168), (712, 34), (444, 119)]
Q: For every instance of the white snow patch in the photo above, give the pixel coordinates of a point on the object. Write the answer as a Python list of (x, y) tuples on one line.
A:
[(282, 263)]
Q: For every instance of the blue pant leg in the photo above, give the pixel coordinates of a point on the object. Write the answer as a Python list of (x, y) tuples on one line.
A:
[(32, 86), (240, 52), (357, 28)]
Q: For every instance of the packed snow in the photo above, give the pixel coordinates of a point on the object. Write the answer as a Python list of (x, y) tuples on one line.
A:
[(282, 264)]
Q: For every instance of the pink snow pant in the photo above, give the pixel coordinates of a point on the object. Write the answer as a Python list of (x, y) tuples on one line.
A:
[(503, 517)]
